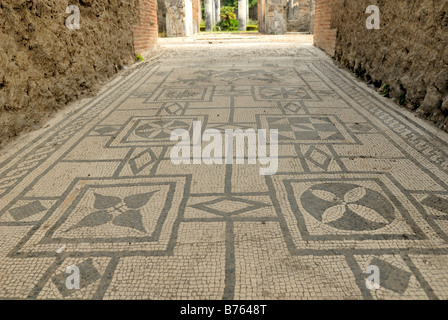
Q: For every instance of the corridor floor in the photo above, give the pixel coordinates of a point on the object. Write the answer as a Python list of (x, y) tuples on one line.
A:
[(360, 183)]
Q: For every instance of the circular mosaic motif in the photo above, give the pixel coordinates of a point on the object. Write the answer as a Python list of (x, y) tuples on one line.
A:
[(348, 206)]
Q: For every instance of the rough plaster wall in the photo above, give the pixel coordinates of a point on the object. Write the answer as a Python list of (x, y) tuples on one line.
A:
[(178, 18), (161, 16), (175, 18), (409, 52), (300, 15), (43, 65), (272, 16)]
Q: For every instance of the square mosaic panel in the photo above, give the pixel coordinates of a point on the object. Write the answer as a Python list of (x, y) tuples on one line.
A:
[(308, 129), (112, 214), (285, 93), (153, 131), (350, 212), (173, 94)]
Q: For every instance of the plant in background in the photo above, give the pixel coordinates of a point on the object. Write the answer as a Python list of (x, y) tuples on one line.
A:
[(252, 25), (234, 3), (139, 58), (228, 19), (360, 73), (384, 90), (402, 99)]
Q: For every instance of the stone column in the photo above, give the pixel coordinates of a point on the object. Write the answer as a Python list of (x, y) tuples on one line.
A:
[(217, 11), (247, 11), (208, 7), (242, 15), (188, 18)]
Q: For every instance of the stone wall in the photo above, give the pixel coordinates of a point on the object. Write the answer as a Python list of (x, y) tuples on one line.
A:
[(178, 18), (253, 12), (44, 65), (300, 16), (409, 52), (272, 16)]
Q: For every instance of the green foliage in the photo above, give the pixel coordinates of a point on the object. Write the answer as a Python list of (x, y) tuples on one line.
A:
[(228, 19), (227, 13), (234, 3), (228, 25), (252, 27), (402, 99), (360, 73), (384, 90), (139, 58)]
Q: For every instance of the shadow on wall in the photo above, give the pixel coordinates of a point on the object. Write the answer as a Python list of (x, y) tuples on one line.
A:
[(409, 52), (44, 65)]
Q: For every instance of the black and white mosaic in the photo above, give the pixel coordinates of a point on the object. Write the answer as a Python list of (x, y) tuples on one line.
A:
[(358, 184)]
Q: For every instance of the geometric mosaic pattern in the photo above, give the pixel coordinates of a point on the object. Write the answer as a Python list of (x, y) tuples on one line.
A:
[(360, 183)]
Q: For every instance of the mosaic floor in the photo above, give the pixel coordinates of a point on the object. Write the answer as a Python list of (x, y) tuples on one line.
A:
[(360, 182)]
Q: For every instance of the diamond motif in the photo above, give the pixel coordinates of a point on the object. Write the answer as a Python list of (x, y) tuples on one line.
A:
[(173, 108), (142, 161), (392, 277), (229, 206), (318, 157), (293, 107), (105, 130)]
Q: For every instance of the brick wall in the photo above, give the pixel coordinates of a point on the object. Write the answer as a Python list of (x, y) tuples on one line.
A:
[(324, 34), (196, 16), (146, 32)]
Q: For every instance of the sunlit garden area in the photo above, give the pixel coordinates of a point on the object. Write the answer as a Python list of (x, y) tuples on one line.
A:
[(228, 21)]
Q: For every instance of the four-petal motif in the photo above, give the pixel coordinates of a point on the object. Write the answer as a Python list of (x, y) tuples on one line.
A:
[(120, 212)]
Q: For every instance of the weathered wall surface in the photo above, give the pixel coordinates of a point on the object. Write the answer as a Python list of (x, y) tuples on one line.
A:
[(44, 65), (409, 51), (161, 16), (197, 16), (253, 12), (178, 18), (272, 16), (300, 16)]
